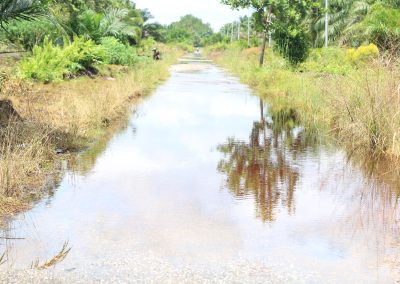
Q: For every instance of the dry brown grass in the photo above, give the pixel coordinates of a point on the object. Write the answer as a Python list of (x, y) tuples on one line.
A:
[(59, 257)]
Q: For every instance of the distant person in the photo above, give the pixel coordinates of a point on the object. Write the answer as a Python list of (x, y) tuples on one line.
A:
[(156, 54)]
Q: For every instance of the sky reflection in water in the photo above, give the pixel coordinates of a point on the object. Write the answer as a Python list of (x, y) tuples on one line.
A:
[(204, 176)]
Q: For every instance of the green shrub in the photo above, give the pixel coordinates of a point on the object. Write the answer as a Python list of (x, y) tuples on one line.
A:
[(50, 62), (84, 55), (220, 46), (362, 54), (118, 53), (293, 45), (330, 60), (185, 46), (47, 63), (29, 34)]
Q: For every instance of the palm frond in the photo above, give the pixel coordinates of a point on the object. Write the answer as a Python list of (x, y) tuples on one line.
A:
[(19, 10)]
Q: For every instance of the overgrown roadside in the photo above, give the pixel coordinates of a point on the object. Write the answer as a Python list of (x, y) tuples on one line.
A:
[(359, 103), (43, 124)]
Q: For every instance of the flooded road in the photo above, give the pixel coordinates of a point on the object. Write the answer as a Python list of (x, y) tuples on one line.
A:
[(206, 185)]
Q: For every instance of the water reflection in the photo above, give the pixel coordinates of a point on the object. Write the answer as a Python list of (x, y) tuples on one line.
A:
[(152, 205), (264, 166)]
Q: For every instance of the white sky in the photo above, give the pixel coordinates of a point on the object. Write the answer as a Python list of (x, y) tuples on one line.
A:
[(210, 11)]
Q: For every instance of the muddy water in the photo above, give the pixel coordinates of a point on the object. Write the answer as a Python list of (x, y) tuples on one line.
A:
[(205, 184)]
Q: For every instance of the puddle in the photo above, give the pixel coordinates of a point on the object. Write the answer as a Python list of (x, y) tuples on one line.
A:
[(204, 184)]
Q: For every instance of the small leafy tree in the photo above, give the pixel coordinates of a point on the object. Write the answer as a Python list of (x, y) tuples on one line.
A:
[(284, 18)]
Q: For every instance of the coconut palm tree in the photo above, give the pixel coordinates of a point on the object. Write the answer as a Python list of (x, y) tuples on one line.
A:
[(20, 10)]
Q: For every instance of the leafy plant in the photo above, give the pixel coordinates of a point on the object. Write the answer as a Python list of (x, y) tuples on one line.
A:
[(29, 34), (330, 60), (363, 53), (47, 63), (50, 62), (84, 55), (118, 53)]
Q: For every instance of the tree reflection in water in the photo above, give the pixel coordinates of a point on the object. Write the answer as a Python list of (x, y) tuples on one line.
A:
[(264, 167)]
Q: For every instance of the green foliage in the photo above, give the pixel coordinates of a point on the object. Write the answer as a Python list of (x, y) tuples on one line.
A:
[(19, 10), (342, 16), (221, 46), (284, 18), (29, 34), (189, 29), (185, 46), (381, 26), (293, 45), (47, 63), (328, 60), (50, 62), (95, 25), (155, 31), (118, 53), (146, 46), (363, 54), (84, 55)]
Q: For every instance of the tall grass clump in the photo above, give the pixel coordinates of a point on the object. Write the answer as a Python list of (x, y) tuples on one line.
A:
[(25, 150)]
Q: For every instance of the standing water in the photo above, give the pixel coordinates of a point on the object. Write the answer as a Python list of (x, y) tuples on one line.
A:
[(205, 184)]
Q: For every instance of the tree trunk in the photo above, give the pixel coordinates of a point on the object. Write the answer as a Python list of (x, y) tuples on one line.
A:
[(264, 44)]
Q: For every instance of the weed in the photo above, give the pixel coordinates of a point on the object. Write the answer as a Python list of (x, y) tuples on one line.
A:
[(54, 260)]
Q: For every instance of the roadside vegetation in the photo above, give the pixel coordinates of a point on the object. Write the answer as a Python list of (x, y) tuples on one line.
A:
[(349, 90)]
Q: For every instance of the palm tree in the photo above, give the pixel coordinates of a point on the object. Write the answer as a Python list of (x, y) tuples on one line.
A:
[(20, 10), (114, 22), (343, 14)]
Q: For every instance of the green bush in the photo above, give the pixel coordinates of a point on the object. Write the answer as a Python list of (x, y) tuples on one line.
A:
[(220, 46), (330, 60), (84, 55), (293, 45), (185, 46), (50, 62), (47, 63), (118, 53), (29, 34), (363, 53)]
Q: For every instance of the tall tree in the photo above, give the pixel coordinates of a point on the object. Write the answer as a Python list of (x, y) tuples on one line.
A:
[(189, 28)]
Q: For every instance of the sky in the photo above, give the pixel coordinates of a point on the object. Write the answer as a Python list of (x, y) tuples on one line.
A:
[(210, 11)]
